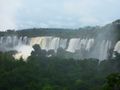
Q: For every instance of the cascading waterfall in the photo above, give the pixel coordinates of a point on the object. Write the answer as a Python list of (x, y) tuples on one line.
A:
[(11, 42), (79, 44), (73, 45), (14, 43), (94, 48), (117, 47), (104, 47), (46, 43)]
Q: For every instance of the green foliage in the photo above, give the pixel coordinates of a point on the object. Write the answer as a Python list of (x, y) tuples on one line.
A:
[(54, 73), (47, 87), (113, 82)]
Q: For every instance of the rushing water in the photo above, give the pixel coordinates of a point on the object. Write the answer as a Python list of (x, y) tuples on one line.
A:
[(94, 48)]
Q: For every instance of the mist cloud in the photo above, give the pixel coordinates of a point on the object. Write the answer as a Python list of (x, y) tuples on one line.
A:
[(8, 11)]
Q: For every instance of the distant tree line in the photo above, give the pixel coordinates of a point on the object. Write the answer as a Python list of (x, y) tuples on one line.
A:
[(112, 29)]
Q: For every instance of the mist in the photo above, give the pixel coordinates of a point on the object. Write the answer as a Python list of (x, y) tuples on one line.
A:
[(8, 12)]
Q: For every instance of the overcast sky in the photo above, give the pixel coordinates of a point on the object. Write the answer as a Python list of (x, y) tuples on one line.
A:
[(17, 14)]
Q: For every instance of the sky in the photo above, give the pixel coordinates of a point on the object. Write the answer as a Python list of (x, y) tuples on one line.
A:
[(20, 14)]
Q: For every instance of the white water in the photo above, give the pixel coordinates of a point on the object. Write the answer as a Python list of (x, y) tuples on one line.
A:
[(94, 48), (19, 44), (79, 44), (23, 51), (104, 47), (117, 47)]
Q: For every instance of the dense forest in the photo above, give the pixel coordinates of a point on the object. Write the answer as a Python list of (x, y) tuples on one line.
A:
[(39, 72)]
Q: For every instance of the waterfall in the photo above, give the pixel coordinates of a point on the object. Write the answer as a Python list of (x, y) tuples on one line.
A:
[(87, 47), (73, 44), (79, 44), (14, 43), (49, 43), (23, 51), (90, 43), (117, 47), (104, 47)]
